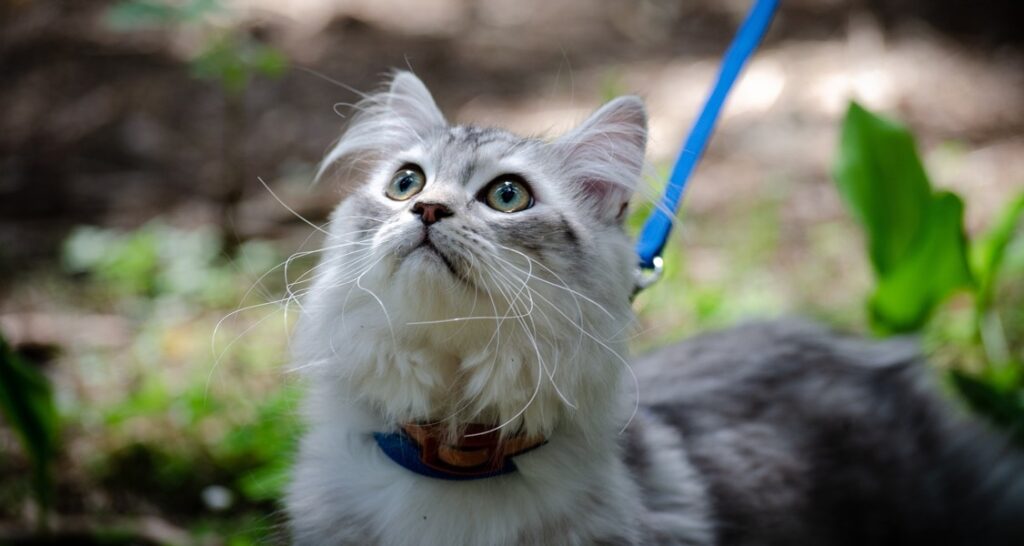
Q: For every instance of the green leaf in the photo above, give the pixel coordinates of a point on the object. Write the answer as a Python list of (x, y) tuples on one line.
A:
[(883, 183), (266, 483), (988, 249), (129, 262), (915, 238), (934, 267), (222, 61), (1003, 406), (268, 61), (26, 402)]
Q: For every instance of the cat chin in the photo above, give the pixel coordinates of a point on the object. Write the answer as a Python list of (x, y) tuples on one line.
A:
[(427, 264), (425, 367)]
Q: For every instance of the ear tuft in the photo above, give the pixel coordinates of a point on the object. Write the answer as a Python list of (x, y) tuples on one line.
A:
[(409, 99), (604, 156), (385, 122)]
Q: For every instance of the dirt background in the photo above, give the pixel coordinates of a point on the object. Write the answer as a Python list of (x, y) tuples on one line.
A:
[(107, 127)]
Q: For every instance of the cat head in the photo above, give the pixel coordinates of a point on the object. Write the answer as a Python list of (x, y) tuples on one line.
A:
[(472, 275)]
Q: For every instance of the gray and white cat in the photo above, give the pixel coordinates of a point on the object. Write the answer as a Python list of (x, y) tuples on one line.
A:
[(474, 294)]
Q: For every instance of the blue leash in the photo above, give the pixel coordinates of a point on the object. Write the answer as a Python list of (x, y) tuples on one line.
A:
[(657, 228)]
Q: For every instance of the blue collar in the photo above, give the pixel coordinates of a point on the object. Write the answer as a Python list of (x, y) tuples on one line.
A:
[(417, 448)]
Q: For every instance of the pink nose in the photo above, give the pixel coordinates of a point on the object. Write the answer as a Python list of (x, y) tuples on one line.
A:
[(431, 212)]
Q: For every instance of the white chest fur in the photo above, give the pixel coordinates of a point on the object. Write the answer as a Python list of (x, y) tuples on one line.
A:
[(345, 491)]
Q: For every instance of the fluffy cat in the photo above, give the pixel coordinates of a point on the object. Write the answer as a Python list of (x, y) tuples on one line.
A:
[(463, 345)]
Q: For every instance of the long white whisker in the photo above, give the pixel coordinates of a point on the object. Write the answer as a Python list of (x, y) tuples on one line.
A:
[(563, 285), (531, 334), (291, 210)]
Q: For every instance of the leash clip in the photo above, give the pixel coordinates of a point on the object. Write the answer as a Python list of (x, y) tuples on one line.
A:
[(644, 277)]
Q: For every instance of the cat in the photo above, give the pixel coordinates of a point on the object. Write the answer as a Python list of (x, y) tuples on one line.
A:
[(463, 344)]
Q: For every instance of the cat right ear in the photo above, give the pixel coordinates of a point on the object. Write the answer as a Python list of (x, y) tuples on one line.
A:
[(384, 123), (604, 157), (410, 101)]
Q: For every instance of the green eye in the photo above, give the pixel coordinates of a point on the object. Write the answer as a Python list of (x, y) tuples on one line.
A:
[(407, 182), (508, 195)]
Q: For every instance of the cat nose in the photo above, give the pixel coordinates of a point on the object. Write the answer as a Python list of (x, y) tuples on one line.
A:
[(431, 212)]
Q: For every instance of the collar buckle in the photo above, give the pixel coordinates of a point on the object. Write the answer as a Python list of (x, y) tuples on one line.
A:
[(478, 453)]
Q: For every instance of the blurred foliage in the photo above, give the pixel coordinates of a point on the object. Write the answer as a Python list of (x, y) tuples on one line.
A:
[(233, 59), (683, 303), (915, 236), (921, 257), (211, 429), (26, 402), (989, 250), (227, 54), (160, 261)]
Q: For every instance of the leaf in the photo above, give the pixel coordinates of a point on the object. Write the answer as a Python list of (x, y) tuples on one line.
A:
[(268, 61), (266, 483), (988, 249), (222, 61), (1003, 406), (26, 402), (128, 262), (915, 238), (881, 178), (935, 266)]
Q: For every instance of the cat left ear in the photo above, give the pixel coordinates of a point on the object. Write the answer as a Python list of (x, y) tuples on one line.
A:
[(605, 156)]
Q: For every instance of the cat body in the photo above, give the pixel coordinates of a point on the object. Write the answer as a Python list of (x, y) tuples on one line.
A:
[(477, 278), (802, 436)]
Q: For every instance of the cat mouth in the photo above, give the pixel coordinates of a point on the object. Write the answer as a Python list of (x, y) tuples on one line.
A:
[(429, 247)]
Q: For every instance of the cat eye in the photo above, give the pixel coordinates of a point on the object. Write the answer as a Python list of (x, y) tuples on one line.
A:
[(406, 182), (508, 194)]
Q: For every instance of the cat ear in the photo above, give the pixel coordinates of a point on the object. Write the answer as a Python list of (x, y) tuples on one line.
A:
[(384, 123), (410, 101), (604, 156)]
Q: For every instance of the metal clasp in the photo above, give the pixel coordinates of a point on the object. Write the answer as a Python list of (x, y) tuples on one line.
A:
[(642, 278)]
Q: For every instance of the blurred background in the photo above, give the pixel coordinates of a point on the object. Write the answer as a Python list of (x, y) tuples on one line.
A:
[(143, 311)]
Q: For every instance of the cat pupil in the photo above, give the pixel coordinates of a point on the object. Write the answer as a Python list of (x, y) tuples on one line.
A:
[(508, 194), (404, 184)]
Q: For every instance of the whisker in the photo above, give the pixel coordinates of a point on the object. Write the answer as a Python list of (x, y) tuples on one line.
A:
[(289, 209), (563, 285), (531, 334)]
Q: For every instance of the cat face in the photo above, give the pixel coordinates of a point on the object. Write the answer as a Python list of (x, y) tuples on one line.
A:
[(472, 274)]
